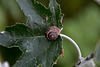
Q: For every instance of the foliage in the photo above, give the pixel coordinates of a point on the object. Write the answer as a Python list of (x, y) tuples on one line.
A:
[(30, 37), (82, 24)]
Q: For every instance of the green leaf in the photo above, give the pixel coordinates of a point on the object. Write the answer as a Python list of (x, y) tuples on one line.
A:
[(39, 15), (34, 11), (57, 16), (36, 49), (30, 37)]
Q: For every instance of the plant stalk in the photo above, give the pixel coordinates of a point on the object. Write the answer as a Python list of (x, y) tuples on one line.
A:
[(75, 44)]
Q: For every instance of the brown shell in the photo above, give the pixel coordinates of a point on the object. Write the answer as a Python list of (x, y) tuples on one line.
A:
[(52, 33)]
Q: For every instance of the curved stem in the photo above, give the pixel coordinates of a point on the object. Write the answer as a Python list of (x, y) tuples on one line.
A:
[(75, 44)]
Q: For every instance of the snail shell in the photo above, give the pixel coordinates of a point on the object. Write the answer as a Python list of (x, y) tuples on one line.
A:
[(52, 33)]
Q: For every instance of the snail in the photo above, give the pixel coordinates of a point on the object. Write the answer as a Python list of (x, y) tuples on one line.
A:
[(52, 33)]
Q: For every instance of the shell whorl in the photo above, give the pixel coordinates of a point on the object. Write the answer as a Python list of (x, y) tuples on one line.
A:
[(52, 33)]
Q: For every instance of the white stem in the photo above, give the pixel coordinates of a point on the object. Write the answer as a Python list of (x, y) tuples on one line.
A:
[(75, 44)]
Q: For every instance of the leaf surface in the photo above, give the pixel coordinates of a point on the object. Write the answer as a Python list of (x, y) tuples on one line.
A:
[(30, 37)]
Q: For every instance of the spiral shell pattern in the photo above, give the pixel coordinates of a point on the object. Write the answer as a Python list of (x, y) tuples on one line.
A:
[(52, 33)]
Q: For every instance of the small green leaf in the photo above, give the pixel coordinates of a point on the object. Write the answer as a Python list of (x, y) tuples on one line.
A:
[(30, 37)]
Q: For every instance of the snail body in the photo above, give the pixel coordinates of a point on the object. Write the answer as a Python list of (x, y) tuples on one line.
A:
[(52, 33)]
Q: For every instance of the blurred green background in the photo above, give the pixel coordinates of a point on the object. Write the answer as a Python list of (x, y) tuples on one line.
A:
[(81, 22)]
